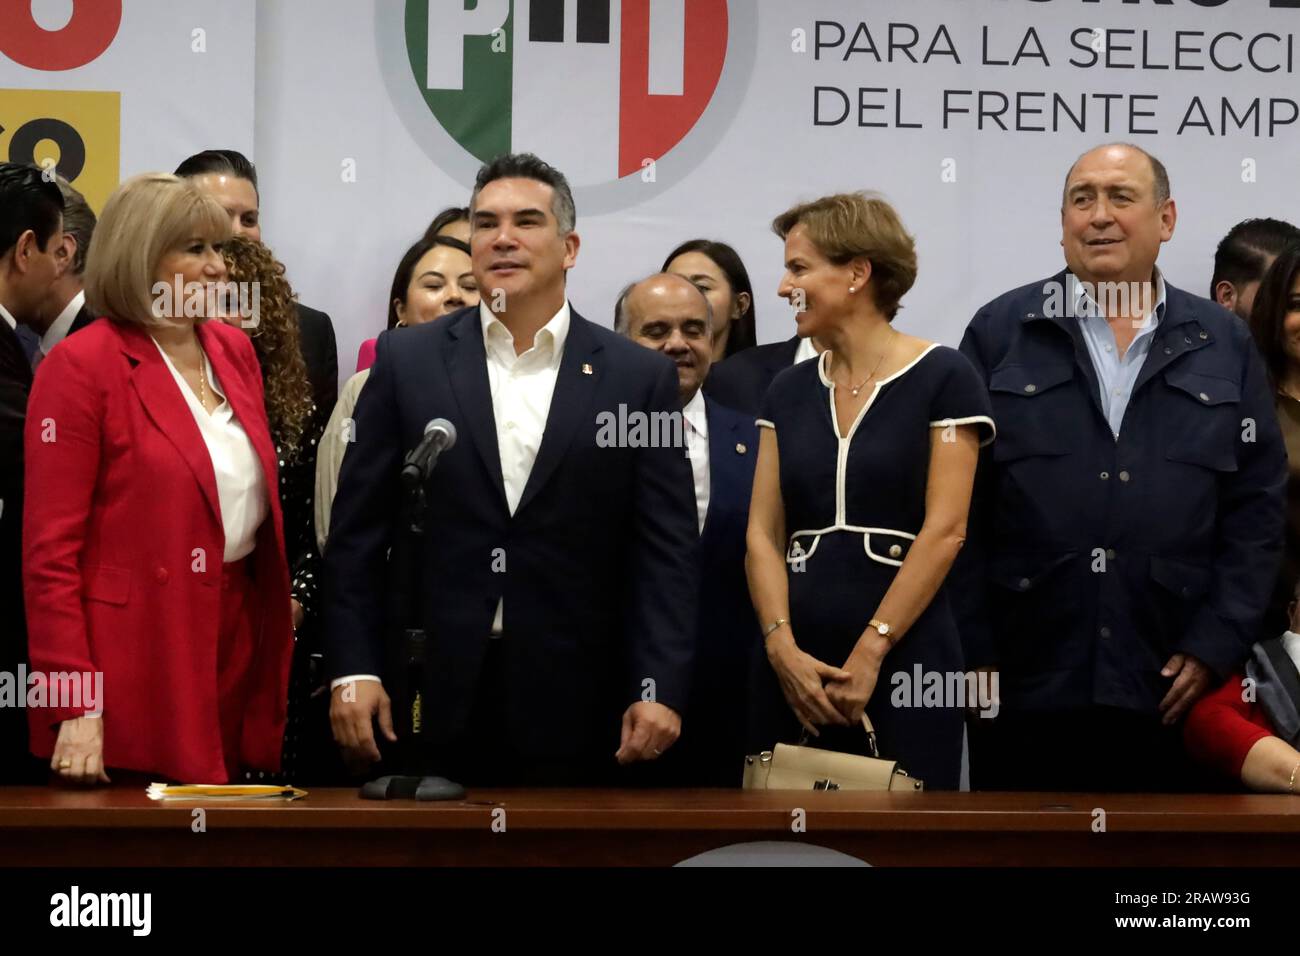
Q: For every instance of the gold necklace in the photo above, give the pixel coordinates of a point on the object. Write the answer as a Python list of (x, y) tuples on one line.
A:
[(203, 384), (854, 391)]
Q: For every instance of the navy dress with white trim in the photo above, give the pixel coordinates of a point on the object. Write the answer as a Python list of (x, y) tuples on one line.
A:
[(853, 506)]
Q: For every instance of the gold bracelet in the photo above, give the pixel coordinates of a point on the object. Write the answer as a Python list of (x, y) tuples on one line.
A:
[(773, 626), (1290, 787)]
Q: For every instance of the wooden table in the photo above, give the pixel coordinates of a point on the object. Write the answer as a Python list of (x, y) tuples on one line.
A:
[(121, 827)]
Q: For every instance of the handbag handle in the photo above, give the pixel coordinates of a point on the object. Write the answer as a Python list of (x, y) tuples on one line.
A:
[(871, 734), (866, 726)]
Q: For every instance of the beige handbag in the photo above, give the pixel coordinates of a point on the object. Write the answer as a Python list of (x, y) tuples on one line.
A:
[(796, 767)]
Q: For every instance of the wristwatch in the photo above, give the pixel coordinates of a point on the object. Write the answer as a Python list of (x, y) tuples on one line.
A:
[(882, 628)]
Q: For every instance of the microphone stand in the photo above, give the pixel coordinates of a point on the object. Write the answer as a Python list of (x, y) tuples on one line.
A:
[(413, 748)]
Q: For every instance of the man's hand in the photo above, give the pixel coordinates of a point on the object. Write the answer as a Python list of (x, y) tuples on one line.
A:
[(648, 730), (353, 708), (79, 751), (1193, 679)]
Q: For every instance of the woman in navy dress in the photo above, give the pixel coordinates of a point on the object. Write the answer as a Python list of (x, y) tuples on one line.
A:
[(866, 462)]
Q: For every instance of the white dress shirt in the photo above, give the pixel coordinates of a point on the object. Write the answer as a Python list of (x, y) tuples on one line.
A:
[(241, 485), (805, 351), (1291, 644), (696, 418), (521, 386), (4, 314), (58, 330)]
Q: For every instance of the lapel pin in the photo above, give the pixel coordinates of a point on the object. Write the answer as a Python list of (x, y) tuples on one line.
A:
[(586, 368), (740, 448)]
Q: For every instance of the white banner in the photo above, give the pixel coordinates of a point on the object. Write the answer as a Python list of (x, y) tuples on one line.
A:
[(683, 118)]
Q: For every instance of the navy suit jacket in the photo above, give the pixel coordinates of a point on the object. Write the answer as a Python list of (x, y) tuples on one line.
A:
[(712, 746), (597, 566), (741, 381), (1090, 559)]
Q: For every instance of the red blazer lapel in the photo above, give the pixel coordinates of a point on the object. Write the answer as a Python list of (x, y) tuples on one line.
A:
[(167, 407)]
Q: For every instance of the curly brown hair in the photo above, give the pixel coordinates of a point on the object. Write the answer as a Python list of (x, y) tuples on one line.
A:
[(275, 339)]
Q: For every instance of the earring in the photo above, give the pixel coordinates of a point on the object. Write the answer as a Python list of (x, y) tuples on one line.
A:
[(853, 289)]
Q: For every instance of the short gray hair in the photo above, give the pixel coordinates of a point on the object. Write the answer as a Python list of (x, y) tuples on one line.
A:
[(78, 222), (623, 322)]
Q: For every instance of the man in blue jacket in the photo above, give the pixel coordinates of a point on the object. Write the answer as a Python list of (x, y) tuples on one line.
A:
[(1127, 522)]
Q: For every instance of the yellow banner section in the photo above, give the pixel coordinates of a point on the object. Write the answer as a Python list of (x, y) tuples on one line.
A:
[(76, 133)]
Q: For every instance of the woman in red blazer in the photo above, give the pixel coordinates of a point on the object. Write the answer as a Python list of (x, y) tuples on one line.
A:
[(153, 542)]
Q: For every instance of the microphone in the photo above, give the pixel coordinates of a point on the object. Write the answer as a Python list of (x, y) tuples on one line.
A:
[(439, 435)]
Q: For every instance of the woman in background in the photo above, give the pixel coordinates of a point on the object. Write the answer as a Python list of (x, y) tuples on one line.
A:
[(296, 427), (434, 278), (153, 553), (451, 223), (716, 270), (1254, 740)]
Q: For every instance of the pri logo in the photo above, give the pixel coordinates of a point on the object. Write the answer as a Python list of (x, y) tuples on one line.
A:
[(602, 89)]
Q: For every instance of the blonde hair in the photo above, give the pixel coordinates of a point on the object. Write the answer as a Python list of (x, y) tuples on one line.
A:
[(859, 225), (146, 217)]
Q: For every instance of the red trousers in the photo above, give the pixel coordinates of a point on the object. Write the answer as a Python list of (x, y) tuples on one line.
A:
[(236, 644)]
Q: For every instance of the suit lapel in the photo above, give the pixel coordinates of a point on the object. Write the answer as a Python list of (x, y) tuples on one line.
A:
[(720, 439), (169, 410), (570, 403), (726, 461), (466, 362)]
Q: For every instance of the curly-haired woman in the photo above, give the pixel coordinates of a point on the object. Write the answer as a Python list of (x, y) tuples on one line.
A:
[(259, 299)]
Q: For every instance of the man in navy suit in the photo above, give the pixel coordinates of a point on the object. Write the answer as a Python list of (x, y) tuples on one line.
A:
[(31, 235), (557, 574), (668, 313)]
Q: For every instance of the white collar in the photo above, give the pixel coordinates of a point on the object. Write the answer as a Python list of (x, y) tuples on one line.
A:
[(58, 330), (4, 314), (696, 412), (1085, 306), (1291, 644), (553, 334), (805, 351)]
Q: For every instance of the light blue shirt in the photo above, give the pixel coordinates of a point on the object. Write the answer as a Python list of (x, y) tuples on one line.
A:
[(1116, 375)]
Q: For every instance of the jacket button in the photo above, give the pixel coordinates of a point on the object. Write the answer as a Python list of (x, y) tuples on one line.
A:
[(1205, 335), (1031, 388), (1024, 584), (1123, 476), (1104, 632), (1104, 476), (1168, 350), (160, 575), (895, 550), (1204, 397)]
